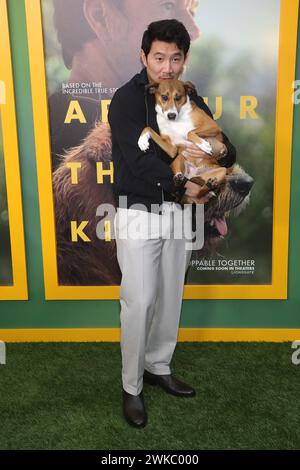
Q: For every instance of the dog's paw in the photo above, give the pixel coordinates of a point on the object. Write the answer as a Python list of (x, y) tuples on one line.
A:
[(178, 178), (212, 183), (205, 146), (143, 141)]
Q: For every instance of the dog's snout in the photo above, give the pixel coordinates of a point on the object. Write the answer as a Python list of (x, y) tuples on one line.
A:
[(242, 185), (172, 116)]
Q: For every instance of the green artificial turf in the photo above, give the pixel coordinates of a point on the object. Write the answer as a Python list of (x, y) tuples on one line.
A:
[(68, 396)]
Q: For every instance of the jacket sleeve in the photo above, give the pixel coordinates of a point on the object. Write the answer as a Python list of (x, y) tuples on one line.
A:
[(230, 157), (126, 125)]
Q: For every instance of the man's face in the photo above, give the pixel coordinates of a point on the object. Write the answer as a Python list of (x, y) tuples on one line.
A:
[(164, 61)]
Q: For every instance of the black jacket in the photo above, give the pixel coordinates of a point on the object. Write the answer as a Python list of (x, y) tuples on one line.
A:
[(144, 177)]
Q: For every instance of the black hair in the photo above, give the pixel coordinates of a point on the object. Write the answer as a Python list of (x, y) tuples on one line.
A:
[(167, 31)]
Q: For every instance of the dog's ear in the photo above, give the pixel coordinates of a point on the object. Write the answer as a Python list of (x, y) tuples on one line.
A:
[(151, 87), (189, 88)]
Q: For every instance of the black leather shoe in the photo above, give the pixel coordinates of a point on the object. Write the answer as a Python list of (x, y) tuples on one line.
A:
[(170, 384), (134, 409)]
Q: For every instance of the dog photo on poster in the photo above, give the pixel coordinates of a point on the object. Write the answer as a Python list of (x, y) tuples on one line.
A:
[(233, 64)]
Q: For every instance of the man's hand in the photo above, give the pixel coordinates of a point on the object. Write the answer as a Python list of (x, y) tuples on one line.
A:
[(193, 190), (193, 151)]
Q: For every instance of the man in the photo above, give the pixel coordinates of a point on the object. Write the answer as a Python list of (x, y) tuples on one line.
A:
[(153, 268)]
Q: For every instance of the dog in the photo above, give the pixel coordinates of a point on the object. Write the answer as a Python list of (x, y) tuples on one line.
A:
[(181, 121), (233, 196)]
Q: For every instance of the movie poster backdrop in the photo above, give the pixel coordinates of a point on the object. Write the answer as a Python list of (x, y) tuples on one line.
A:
[(236, 62)]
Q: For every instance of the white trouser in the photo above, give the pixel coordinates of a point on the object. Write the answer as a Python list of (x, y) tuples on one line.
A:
[(153, 268)]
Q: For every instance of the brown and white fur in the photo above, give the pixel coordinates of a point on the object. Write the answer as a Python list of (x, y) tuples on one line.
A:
[(181, 121)]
